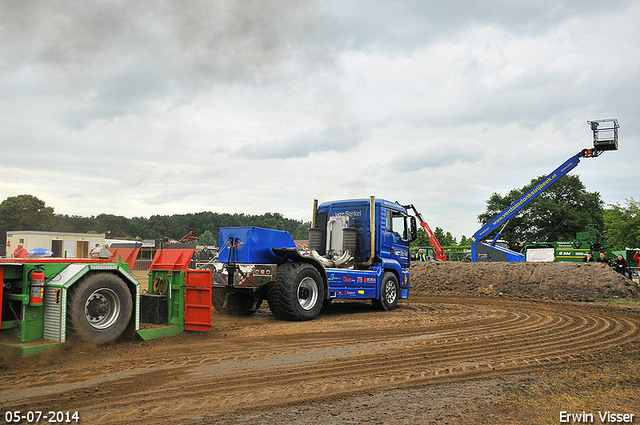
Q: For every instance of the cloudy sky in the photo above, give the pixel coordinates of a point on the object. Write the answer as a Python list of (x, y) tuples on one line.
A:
[(143, 108)]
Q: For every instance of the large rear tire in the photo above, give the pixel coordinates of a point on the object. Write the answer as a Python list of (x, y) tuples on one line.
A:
[(297, 293), (389, 292), (99, 308)]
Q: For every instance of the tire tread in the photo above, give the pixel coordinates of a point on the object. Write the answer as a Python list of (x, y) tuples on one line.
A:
[(75, 308), (282, 293)]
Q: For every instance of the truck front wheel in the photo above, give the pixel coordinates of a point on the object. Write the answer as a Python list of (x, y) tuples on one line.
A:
[(389, 291), (297, 293), (99, 308)]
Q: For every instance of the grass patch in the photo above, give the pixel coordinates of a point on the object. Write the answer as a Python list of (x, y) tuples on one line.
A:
[(620, 300), (611, 382)]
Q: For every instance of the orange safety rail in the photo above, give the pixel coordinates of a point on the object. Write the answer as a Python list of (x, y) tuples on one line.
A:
[(125, 253), (173, 257)]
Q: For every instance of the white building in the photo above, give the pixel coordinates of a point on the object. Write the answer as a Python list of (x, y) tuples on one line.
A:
[(68, 245)]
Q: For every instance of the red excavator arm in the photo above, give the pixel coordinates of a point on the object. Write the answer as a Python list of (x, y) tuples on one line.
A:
[(440, 255)]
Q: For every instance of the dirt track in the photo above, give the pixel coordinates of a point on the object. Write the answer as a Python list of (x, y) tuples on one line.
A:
[(434, 359)]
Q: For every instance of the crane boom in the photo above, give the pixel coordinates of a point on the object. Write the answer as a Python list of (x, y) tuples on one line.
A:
[(605, 137), (508, 213)]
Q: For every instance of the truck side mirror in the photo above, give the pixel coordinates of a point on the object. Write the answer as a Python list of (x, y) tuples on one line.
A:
[(414, 229)]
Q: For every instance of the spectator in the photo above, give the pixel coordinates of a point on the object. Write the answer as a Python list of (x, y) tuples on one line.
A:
[(104, 252), (603, 259), (621, 265), (95, 252), (636, 257), (420, 256), (205, 255), (20, 252), (588, 259)]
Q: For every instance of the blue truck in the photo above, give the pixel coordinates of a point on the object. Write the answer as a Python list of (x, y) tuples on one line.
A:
[(358, 249), (605, 138)]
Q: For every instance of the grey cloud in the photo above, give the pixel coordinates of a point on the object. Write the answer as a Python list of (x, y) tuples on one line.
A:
[(210, 36), (404, 25), (112, 57), (148, 107), (438, 154), (338, 138)]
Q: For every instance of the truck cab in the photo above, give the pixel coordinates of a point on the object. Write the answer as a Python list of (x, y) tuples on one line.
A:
[(363, 245), (384, 233)]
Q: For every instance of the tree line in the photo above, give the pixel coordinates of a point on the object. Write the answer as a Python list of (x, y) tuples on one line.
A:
[(26, 212), (557, 214)]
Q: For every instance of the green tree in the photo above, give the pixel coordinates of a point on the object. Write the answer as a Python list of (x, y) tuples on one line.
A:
[(207, 238), (302, 231), (445, 239), (557, 214), (622, 225), (23, 212), (74, 224)]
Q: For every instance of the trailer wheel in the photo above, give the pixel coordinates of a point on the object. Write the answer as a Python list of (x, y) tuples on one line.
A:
[(99, 308), (297, 293), (238, 304), (389, 291)]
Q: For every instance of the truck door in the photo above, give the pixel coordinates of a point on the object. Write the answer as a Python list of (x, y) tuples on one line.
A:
[(395, 238)]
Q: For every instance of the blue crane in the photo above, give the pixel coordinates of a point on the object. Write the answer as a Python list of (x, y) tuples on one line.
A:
[(605, 138)]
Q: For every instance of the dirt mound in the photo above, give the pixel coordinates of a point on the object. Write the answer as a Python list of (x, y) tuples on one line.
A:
[(557, 281)]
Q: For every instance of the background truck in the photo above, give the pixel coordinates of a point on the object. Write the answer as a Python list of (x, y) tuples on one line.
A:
[(605, 138), (358, 249)]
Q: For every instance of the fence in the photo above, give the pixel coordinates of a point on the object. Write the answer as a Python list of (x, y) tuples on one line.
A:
[(458, 255), (142, 264)]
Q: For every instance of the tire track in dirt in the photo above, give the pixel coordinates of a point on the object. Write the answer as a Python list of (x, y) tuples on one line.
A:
[(435, 340)]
